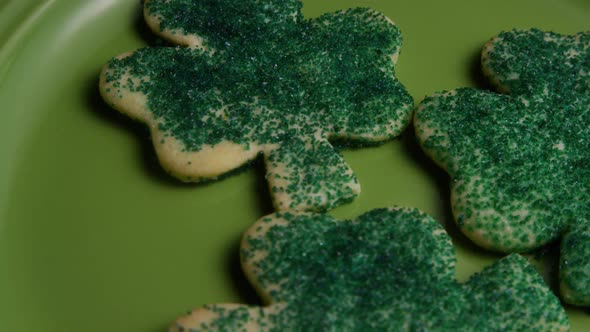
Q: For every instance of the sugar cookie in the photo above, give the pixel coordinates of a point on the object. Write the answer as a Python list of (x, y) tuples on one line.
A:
[(256, 78), (388, 270), (519, 161)]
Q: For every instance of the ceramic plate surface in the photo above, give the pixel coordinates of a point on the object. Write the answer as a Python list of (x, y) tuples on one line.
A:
[(94, 236)]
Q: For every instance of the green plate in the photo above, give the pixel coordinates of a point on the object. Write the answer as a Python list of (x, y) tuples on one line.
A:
[(94, 236)]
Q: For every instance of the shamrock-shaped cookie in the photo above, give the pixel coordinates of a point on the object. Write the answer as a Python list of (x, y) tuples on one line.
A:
[(520, 161), (253, 77), (388, 270)]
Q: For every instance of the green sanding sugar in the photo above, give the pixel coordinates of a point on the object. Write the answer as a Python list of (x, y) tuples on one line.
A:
[(314, 76), (265, 75), (519, 161), (388, 270)]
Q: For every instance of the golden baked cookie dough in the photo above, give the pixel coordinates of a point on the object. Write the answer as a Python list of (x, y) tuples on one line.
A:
[(388, 270), (256, 78), (519, 160)]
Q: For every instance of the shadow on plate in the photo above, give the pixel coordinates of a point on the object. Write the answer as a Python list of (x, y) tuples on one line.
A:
[(442, 182), (478, 79), (241, 286), (144, 32)]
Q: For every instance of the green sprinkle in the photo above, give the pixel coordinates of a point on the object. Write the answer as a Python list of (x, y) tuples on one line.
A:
[(520, 161), (388, 270), (266, 75)]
